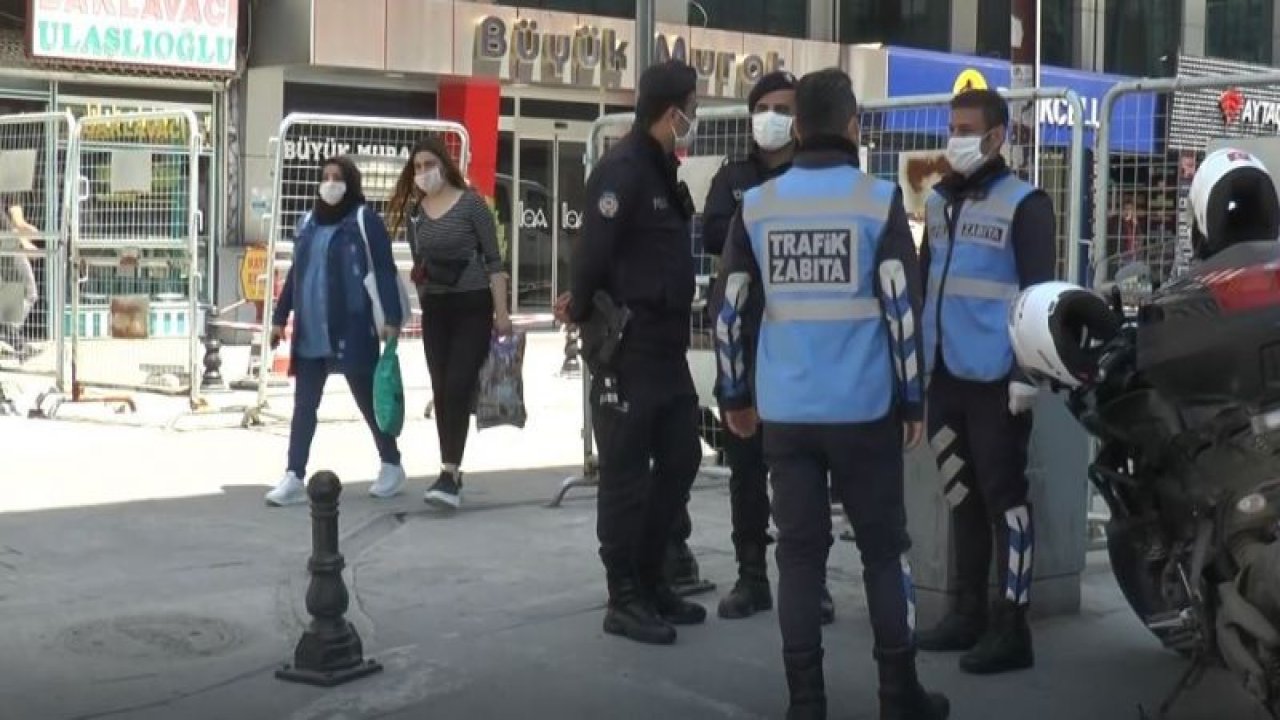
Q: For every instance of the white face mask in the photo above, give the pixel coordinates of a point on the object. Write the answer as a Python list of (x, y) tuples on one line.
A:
[(332, 191), (685, 140), (771, 130), (964, 153), (430, 181)]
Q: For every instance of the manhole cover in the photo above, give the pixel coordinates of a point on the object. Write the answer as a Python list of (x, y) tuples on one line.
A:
[(153, 636)]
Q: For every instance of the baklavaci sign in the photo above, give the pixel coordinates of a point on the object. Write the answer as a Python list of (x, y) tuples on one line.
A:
[(189, 34)]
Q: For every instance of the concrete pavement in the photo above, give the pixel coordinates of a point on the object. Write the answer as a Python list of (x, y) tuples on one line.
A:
[(141, 577)]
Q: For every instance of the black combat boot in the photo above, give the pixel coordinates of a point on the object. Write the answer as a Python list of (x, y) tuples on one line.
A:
[(680, 566), (632, 615), (827, 605), (961, 628), (674, 609), (1006, 646), (805, 683), (901, 695), (751, 594)]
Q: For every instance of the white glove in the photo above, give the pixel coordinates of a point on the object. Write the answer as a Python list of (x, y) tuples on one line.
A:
[(1022, 397)]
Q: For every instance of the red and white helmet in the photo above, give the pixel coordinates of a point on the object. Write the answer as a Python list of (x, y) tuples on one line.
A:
[(1058, 329), (1233, 199)]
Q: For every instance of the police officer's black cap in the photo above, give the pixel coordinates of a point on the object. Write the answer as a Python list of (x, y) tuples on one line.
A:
[(776, 80), (663, 86)]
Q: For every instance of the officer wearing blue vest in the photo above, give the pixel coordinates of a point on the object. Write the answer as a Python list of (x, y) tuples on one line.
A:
[(821, 269), (988, 235)]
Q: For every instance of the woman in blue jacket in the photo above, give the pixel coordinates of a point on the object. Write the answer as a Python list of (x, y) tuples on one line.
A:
[(333, 320)]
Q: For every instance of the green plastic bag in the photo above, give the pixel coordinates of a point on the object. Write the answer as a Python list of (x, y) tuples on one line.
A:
[(388, 391)]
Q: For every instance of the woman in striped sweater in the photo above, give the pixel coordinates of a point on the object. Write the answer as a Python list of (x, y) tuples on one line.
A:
[(459, 275)]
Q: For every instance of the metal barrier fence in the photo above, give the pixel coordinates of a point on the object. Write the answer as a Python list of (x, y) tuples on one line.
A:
[(380, 147), (135, 221), (1152, 136), (33, 295), (903, 141)]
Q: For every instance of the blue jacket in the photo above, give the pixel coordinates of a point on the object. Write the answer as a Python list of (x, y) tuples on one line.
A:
[(828, 251), (350, 314)]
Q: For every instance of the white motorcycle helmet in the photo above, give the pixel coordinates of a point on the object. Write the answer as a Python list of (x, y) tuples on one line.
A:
[(1233, 199), (1058, 330)]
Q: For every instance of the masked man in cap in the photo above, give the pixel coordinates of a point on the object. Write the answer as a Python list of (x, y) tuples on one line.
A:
[(772, 106), (632, 287)]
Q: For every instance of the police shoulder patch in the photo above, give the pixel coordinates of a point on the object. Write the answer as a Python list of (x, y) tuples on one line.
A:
[(608, 204)]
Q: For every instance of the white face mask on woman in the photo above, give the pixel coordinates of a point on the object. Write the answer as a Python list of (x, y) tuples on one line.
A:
[(332, 191), (430, 181)]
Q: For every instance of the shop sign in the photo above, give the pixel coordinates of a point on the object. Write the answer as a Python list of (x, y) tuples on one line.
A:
[(157, 131), (306, 149), (589, 57), (191, 34), (721, 73), (253, 271), (536, 218)]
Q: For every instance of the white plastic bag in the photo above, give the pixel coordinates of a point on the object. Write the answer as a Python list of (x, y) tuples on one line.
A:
[(500, 394)]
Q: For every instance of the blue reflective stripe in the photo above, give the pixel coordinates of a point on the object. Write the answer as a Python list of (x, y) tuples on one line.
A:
[(824, 349), (973, 279)]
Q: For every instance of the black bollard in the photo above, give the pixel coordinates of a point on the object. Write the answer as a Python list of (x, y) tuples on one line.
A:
[(212, 377), (330, 652)]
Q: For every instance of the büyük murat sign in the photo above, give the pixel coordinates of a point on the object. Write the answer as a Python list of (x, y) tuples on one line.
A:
[(188, 34)]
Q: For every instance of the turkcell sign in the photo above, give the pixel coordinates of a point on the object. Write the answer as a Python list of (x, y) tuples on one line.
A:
[(188, 34), (921, 72)]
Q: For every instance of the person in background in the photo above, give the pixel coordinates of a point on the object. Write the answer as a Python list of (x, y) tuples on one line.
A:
[(772, 105), (989, 235), (458, 271), (333, 320), (17, 273), (1127, 233)]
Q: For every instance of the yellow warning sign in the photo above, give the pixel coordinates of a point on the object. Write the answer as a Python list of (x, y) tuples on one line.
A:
[(969, 79), (253, 270)]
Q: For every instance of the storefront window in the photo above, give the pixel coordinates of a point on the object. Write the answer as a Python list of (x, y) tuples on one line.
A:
[(1057, 34), (789, 18), (1239, 29), (1143, 37), (924, 24)]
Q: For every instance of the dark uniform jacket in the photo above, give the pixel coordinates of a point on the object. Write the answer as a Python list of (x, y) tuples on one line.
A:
[(636, 246)]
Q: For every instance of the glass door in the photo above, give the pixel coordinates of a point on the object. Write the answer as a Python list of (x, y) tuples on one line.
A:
[(545, 193)]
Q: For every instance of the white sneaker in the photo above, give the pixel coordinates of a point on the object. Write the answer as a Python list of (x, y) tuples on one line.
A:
[(290, 491), (390, 481)]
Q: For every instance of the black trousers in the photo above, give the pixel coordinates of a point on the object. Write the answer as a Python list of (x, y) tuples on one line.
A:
[(456, 329), (748, 493), (865, 465), (982, 456), (649, 457)]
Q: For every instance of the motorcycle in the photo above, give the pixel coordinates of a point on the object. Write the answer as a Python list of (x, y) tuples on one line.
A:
[(1184, 401)]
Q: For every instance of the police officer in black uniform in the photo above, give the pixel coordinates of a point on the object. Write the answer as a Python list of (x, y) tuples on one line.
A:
[(635, 252), (772, 106)]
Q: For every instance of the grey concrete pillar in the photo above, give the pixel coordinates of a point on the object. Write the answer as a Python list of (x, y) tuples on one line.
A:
[(822, 21), (1089, 26), (1059, 495), (1275, 37), (264, 99), (674, 11), (964, 26), (1193, 27)]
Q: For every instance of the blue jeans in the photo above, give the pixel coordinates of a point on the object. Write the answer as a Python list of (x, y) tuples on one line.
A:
[(309, 378)]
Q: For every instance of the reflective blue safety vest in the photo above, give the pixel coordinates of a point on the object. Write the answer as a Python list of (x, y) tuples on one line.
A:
[(973, 280), (823, 349)]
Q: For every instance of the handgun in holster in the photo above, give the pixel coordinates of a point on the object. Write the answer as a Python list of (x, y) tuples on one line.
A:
[(602, 340)]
